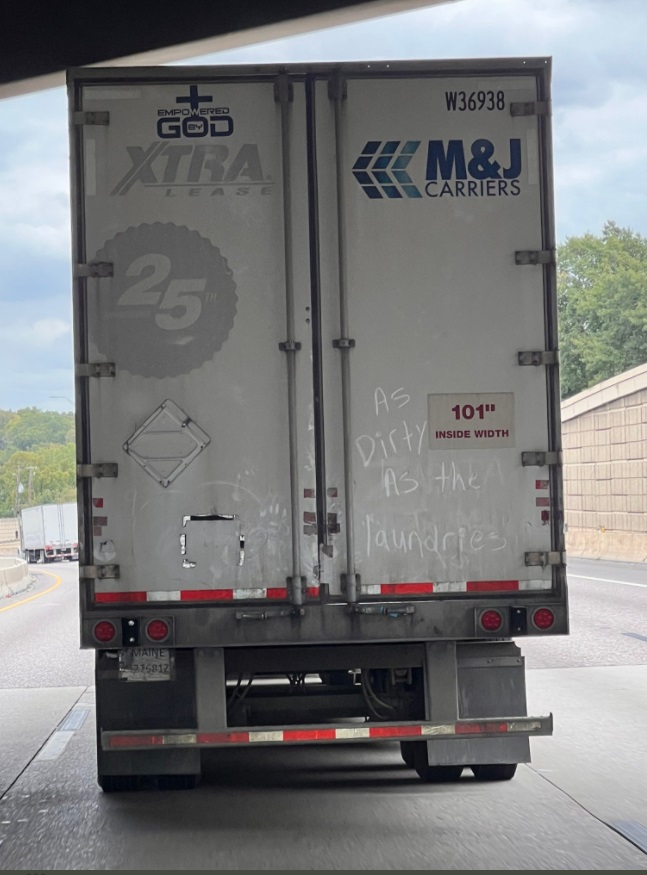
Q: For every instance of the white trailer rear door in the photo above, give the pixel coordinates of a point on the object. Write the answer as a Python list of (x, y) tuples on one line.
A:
[(300, 310)]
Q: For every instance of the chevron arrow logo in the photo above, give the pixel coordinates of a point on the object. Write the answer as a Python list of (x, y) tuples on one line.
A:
[(381, 169)]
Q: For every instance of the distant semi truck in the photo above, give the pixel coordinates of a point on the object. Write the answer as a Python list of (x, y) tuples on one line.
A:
[(49, 532)]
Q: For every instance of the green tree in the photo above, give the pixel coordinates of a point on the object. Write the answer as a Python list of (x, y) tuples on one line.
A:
[(37, 458), (602, 301), (53, 477), (30, 428)]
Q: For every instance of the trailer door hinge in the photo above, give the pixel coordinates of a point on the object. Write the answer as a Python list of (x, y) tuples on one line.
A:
[(101, 469), (101, 117), (535, 256), (99, 572), (337, 88), (95, 269), (530, 107), (544, 559), (539, 357), (283, 90), (290, 346), (539, 458), (96, 369)]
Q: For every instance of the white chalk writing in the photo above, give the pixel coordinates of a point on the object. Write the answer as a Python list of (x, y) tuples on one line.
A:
[(399, 398), (426, 538), (397, 440)]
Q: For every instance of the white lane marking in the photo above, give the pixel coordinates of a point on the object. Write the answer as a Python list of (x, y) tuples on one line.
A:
[(607, 580), (55, 746), (60, 739)]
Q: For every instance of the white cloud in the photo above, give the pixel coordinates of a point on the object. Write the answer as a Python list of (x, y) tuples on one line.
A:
[(44, 332), (34, 179)]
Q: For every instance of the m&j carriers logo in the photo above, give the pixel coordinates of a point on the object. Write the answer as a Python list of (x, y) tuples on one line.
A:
[(452, 169), (193, 153)]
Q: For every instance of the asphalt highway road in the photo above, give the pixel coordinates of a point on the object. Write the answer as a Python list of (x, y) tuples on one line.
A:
[(581, 804)]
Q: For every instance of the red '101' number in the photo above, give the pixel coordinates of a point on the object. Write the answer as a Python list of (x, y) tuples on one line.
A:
[(468, 411)]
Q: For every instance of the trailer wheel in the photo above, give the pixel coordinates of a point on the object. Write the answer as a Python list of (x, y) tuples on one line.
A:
[(433, 774), (407, 752), (495, 772), (439, 774)]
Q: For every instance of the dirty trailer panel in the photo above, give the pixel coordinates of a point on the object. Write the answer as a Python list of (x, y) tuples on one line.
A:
[(316, 364)]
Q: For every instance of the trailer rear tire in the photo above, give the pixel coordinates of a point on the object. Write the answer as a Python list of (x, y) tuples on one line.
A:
[(495, 772), (408, 752), (439, 774), (433, 774)]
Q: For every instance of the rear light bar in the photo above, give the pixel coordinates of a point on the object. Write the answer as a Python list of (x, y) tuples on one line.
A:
[(514, 620), (177, 738), (126, 631)]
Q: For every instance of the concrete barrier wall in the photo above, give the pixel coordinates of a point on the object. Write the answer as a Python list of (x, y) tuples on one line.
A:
[(604, 432), (14, 576), (621, 546)]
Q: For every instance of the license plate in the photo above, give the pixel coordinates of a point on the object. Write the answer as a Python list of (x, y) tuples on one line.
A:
[(146, 664)]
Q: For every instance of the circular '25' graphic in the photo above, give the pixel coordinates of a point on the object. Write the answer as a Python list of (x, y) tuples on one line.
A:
[(170, 304)]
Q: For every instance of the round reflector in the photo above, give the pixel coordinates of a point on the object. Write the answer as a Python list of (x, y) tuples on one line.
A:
[(543, 618), (491, 621), (157, 630), (105, 631)]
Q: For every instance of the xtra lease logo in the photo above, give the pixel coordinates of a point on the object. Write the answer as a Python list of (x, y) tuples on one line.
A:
[(193, 170), (454, 169)]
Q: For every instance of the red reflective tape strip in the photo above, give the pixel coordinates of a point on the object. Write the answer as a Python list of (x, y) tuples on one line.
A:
[(113, 597), (309, 734), (97, 502), (312, 592), (406, 588), (136, 740), (542, 502), (492, 585), (389, 731), (276, 592), (542, 484), (206, 595), (222, 737), (476, 728)]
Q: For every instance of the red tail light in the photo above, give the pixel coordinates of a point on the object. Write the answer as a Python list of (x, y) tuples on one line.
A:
[(543, 618), (105, 631), (158, 630), (491, 620)]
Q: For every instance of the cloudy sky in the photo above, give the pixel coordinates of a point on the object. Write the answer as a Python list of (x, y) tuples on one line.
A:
[(600, 143)]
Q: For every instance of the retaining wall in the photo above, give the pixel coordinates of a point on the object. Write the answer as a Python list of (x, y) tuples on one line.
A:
[(14, 576)]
